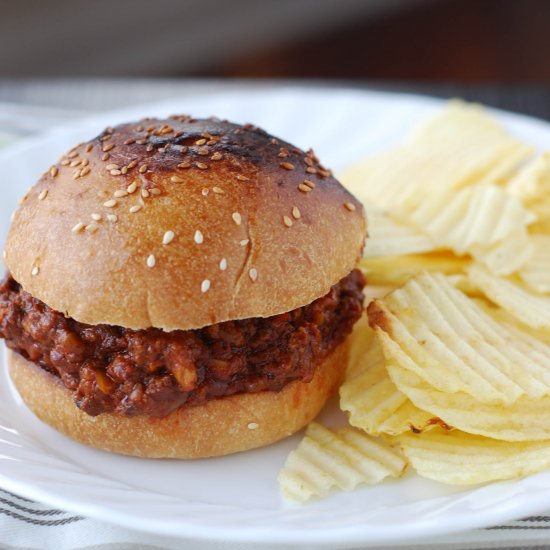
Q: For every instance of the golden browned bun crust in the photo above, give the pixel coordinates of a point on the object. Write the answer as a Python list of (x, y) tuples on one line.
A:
[(225, 196), (219, 427)]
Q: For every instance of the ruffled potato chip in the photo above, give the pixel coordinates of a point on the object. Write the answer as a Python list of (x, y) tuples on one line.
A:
[(451, 343), (373, 402), (460, 146), (536, 271), (458, 458), (329, 459), (387, 237), (478, 215), (526, 420), (531, 309), (397, 270)]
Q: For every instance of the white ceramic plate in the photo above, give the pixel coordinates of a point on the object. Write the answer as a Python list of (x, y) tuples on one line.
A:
[(236, 498)]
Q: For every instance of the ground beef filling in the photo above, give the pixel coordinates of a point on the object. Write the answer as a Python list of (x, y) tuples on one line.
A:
[(152, 372)]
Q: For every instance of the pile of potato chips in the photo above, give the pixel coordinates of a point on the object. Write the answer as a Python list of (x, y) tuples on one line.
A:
[(450, 373)]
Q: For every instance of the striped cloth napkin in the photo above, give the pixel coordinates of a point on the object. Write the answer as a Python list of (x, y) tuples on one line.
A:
[(28, 525)]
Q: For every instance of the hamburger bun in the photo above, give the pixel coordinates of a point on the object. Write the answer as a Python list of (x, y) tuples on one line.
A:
[(237, 208), (180, 224)]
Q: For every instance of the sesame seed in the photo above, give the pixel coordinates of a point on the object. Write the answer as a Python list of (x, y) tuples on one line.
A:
[(283, 153), (65, 162), (304, 188), (324, 173), (350, 206), (223, 264), (120, 193), (105, 156), (54, 171), (184, 165), (129, 141), (287, 221), (124, 170), (72, 155), (107, 147), (177, 179), (216, 156), (308, 161), (200, 142), (133, 163), (141, 141), (253, 274), (85, 162), (205, 192), (162, 149), (92, 227), (155, 191), (110, 203), (168, 237), (199, 238), (151, 261), (75, 163), (311, 170), (145, 193), (312, 155), (78, 227), (131, 188), (96, 217), (43, 195), (240, 177), (252, 426), (287, 165), (143, 169), (76, 174), (296, 214), (212, 142), (203, 151), (205, 285), (236, 218), (115, 172), (112, 167), (89, 147), (244, 242), (85, 171), (135, 208), (201, 165), (35, 271), (309, 183), (218, 190), (149, 147), (112, 217)]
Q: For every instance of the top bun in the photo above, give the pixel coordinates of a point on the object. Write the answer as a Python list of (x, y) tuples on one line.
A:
[(181, 223)]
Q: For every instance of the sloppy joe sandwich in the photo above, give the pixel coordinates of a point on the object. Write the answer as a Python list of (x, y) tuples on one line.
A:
[(181, 288)]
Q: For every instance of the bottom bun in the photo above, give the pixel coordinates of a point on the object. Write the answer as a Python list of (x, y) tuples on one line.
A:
[(218, 427)]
